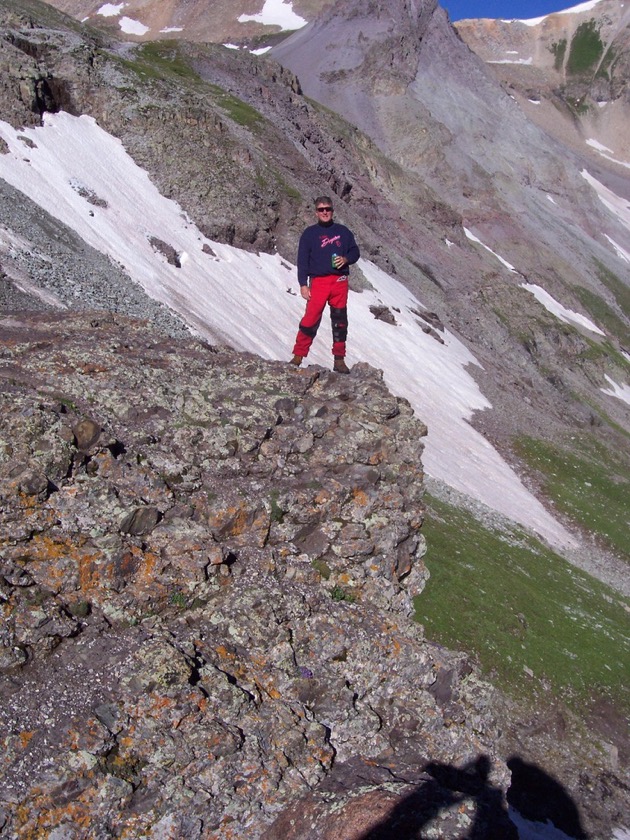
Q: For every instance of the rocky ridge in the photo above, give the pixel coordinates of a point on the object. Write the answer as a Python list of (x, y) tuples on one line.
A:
[(201, 554), (187, 111)]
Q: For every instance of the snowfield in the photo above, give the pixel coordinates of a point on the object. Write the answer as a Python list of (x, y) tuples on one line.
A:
[(82, 176)]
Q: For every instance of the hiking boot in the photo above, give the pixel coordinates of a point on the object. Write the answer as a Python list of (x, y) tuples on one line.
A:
[(296, 361), (340, 365)]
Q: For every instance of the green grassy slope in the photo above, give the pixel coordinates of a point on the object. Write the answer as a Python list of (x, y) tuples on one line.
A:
[(536, 625), (588, 483)]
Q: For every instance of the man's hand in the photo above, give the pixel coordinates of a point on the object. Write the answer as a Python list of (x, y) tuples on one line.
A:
[(305, 292), (340, 262)]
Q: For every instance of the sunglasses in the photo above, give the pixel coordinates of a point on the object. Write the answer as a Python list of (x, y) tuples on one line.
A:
[(324, 209)]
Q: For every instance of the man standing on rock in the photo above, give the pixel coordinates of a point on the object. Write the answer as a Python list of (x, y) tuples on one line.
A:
[(325, 252)]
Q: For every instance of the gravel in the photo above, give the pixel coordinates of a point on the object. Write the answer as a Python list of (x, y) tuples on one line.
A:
[(60, 271)]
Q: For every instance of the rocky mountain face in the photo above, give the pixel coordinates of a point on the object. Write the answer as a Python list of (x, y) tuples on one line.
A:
[(477, 153), (568, 71), (269, 154), (232, 547), (386, 73), (206, 21), (207, 569)]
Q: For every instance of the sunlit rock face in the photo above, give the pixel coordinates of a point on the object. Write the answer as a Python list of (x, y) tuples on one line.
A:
[(207, 569)]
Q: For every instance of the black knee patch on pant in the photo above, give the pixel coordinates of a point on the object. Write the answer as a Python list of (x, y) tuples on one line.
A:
[(339, 321), (310, 331)]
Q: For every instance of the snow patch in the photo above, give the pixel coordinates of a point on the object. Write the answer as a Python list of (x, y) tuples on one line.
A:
[(527, 61), (622, 392), (511, 61), (276, 13), (110, 10), (473, 238), (620, 207), (621, 252), (603, 149), (132, 27), (171, 29), (595, 144), (582, 7), (528, 22), (557, 309)]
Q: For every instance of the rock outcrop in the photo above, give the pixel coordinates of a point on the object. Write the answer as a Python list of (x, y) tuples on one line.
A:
[(208, 561), (207, 566)]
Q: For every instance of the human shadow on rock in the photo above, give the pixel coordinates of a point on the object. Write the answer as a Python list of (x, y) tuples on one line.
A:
[(469, 788), (539, 797)]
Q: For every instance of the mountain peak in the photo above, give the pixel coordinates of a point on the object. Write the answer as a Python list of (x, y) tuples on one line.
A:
[(361, 37)]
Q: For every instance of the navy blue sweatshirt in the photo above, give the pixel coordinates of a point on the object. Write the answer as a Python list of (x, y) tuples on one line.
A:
[(317, 245)]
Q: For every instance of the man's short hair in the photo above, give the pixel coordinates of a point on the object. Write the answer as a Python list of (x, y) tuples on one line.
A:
[(323, 199)]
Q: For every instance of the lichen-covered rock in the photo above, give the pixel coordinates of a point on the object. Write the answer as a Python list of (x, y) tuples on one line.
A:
[(206, 579)]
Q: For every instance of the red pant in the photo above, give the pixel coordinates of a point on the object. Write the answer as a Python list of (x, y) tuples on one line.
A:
[(333, 290)]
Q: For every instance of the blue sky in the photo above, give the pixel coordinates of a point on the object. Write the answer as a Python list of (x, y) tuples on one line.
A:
[(520, 9)]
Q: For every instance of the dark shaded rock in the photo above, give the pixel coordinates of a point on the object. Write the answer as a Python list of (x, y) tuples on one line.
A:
[(431, 318), (312, 541), (172, 257), (430, 331), (368, 801), (383, 313), (140, 521), (86, 434), (540, 798), (33, 483)]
